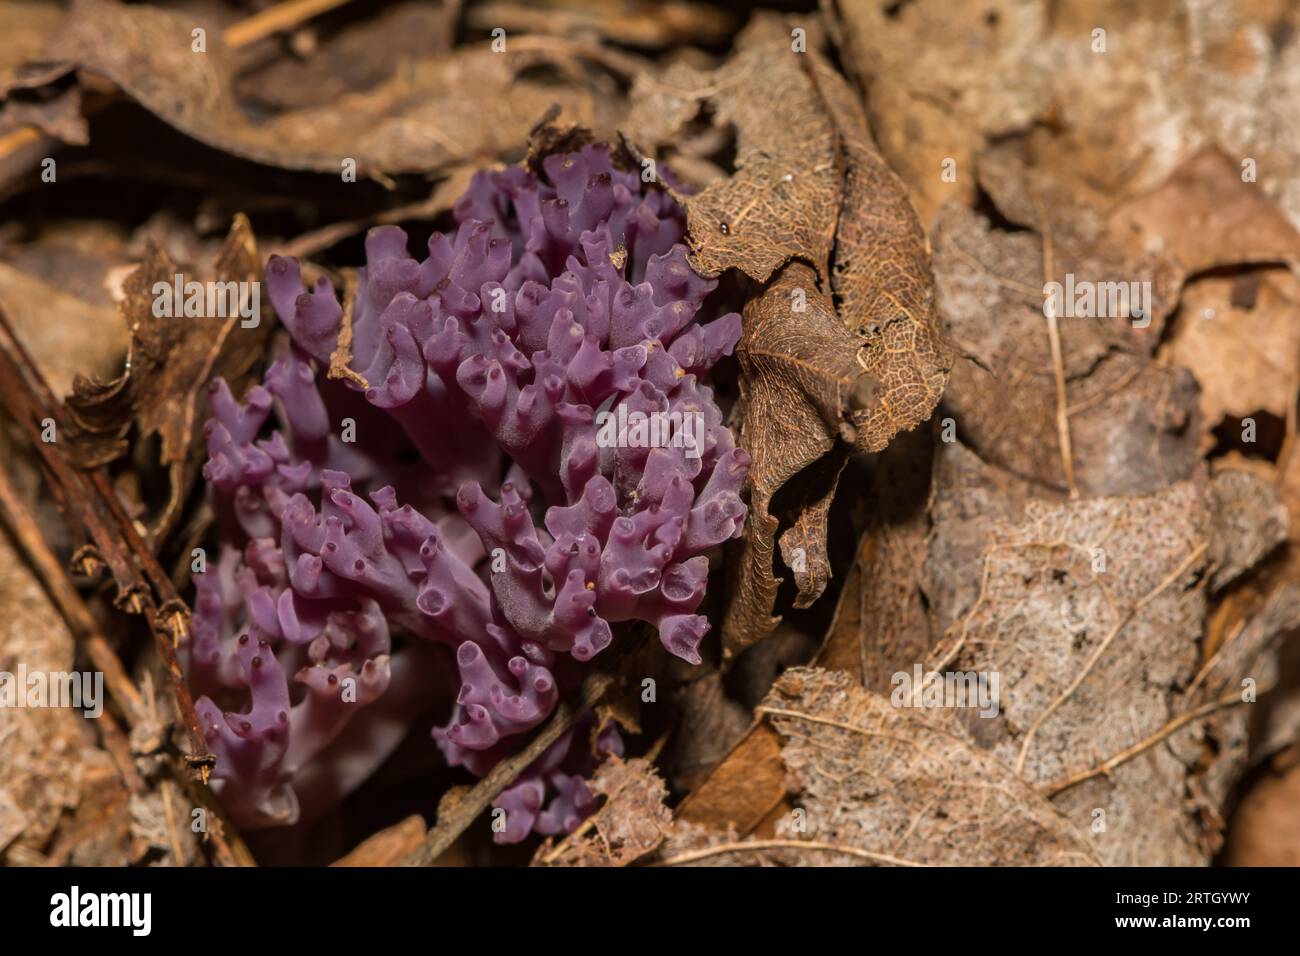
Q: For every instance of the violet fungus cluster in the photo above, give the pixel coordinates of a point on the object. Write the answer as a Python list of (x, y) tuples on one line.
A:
[(448, 523)]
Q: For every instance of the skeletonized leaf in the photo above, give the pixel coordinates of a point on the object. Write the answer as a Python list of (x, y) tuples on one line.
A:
[(1088, 614), (886, 785)]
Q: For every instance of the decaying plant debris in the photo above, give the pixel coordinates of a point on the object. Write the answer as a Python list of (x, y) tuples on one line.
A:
[(1094, 516)]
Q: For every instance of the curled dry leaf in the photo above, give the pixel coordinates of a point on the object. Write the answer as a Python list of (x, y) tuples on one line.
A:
[(632, 822), (812, 211), (441, 111), (882, 279), (162, 389), (800, 389), (784, 198)]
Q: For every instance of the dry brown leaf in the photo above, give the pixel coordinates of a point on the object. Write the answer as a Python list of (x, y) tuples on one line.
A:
[(943, 81), (817, 380), (939, 80), (1265, 830), (357, 57), (882, 277), (1035, 616), (1240, 336), (809, 180), (389, 846), (970, 498), (881, 624), (632, 822), (1132, 424), (667, 23), (803, 545), (1204, 216), (57, 299), (801, 390), (440, 112), (163, 389), (784, 198), (743, 790)]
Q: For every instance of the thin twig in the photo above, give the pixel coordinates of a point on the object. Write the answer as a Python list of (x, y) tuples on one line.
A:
[(694, 856), (276, 19), (48, 569), (229, 851), (1058, 361), (468, 809), (143, 586)]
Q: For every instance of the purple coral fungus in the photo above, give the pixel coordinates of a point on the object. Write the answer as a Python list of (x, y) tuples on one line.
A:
[(513, 540)]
